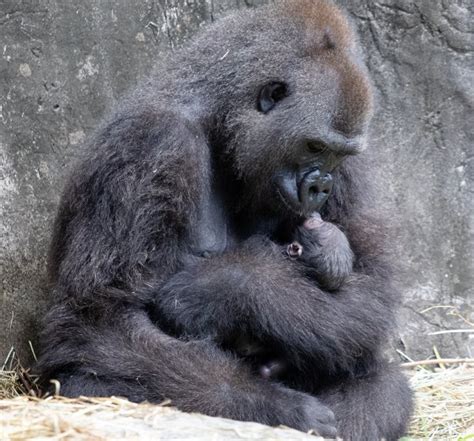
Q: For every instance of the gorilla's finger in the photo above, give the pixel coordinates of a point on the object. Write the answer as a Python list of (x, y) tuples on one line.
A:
[(313, 222)]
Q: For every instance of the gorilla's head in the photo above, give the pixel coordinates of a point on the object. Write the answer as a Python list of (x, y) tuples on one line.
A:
[(292, 97)]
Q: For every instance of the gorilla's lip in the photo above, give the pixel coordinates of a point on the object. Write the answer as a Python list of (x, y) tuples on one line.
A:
[(289, 205), (287, 190)]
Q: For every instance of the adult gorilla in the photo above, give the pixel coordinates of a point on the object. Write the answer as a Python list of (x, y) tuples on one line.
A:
[(191, 227)]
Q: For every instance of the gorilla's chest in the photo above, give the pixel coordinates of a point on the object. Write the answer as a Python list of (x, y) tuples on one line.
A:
[(212, 233)]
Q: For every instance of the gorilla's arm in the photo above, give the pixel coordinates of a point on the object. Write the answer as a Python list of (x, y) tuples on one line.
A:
[(259, 291)]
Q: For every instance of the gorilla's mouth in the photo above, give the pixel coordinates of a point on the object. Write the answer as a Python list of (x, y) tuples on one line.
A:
[(304, 193), (287, 189)]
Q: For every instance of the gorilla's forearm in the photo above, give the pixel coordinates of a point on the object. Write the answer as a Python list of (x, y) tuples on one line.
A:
[(257, 290)]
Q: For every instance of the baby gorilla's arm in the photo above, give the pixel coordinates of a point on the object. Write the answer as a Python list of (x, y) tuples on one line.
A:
[(325, 250)]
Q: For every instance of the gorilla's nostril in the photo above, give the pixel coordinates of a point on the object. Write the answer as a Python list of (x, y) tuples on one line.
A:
[(316, 190)]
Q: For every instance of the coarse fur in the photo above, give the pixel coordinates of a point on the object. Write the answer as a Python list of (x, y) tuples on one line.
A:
[(170, 241)]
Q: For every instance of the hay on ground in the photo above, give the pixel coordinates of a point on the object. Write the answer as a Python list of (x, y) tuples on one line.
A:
[(444, 410), (93, 419), (444, 403), (15, 380)]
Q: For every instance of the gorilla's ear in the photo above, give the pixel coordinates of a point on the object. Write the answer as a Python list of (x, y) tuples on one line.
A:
[(270, 94)]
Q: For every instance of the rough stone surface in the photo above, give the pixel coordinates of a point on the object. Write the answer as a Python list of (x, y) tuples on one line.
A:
[(64, 64)]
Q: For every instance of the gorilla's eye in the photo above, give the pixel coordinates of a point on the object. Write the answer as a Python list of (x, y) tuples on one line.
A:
[(317, 147), (270, 94)]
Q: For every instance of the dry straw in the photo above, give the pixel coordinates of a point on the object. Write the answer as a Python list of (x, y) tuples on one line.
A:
[(444, 411), (444, 403), (93, 419)]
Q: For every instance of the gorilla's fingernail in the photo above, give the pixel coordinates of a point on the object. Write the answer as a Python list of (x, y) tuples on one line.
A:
[(265, 372)]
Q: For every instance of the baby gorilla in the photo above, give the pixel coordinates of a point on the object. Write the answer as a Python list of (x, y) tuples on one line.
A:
[(326, 252)]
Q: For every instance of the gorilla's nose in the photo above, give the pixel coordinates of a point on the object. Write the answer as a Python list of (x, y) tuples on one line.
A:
[(314, 190)]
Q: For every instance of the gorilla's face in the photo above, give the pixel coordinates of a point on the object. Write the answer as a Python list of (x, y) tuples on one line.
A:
[(298, 118), (319, 115)]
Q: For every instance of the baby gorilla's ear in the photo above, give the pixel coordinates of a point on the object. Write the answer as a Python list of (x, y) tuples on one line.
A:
[(270, 95)]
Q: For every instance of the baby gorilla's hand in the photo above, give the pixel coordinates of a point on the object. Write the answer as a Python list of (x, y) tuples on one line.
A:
[(325, 250)]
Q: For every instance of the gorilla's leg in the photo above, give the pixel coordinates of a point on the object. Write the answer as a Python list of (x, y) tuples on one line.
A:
[(134, 359), (372, 408)]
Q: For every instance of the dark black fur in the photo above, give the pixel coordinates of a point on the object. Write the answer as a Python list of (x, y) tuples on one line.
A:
[(170, 243)]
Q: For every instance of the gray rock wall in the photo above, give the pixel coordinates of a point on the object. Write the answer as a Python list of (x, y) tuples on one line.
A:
[(63, 64)]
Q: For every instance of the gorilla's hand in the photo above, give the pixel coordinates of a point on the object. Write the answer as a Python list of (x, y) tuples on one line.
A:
[(304, 412), (325, 250)]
